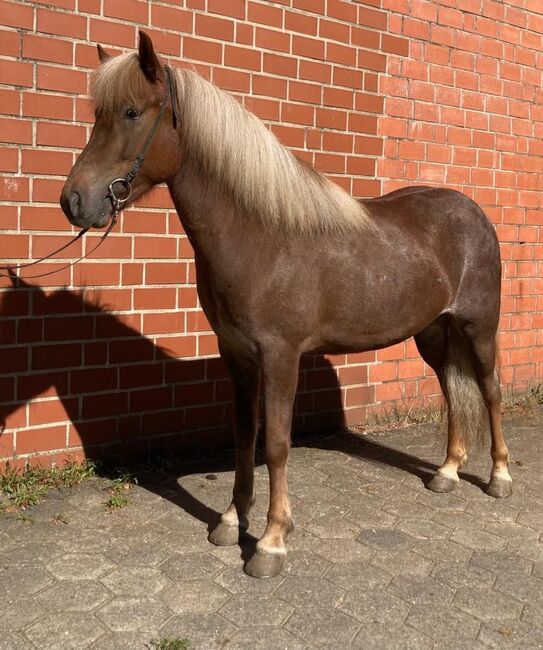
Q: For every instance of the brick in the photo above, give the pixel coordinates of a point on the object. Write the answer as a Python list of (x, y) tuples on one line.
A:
[(48, 106), (42, 439), (61, 24), (233, 8), (112, 32), (14, 188), (61, 135), (308, 47), (265, 14), (16, 15), (213, 27), (15, 131), (240, 57), (280, 65), (60, 79), (269, 39), (15, 73), (43, 48), (46, 162), (202, 50), (131, 10)]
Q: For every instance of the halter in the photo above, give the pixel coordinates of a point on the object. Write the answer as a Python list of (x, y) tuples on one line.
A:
[(117, 202)]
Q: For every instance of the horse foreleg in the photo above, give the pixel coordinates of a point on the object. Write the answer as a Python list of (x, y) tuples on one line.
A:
[(246, 380), (280, 375)]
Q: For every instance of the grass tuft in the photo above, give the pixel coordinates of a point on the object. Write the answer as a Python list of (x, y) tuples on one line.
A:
[(118, 489), (170, 643), (27, 488)]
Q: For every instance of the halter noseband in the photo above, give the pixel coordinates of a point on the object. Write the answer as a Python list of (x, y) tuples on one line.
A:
[(116, 200)]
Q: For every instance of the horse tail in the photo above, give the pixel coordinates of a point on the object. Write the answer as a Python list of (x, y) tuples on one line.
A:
[(467, 409)]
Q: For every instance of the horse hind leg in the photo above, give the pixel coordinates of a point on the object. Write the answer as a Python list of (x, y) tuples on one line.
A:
[(434, 345), (482, 344)]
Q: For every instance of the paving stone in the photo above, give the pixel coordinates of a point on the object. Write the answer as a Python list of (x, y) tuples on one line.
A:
[(374, 606), (390, 636), (133, 614), (512, 530), (17, 614), (236, 581), (367, 516), (320, 627), (476, 539), (486, 604), (310, 592), (459, 575), (440, 622), (511, 634), (402, 563), (533, 614), (423, 529), (522, 587), (18, 582), (305, 564), (73, 596), (501, 561), (15, 641), (122, 641), (135, 581), (342, 551), (76, 539), (358, 575), (530, 550), (65, 631), (420, 590), (203, 631), (255, 610), (228, 555), (272, 638), (32, 552), (442, 549), (191, 566), (332, 528), (79, 566), (194, 597), (386, 540)]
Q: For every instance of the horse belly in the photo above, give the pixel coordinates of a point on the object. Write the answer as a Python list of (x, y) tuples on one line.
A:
[(384, 308)]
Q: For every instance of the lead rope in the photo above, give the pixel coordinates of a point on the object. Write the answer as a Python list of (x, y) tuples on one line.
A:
[(117, 201)]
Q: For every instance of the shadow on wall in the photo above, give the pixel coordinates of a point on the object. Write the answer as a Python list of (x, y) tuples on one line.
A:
[(122, 394)]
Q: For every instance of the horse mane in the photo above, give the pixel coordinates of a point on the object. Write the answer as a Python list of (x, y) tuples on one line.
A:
[(234, 149)]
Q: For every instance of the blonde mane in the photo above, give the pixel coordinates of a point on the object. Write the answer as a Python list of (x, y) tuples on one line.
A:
[(234, 149)]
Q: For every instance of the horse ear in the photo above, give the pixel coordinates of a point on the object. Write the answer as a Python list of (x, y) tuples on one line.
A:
[(149, 62), (102, 54)]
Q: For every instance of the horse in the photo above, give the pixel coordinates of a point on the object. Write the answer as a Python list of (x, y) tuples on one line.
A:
[(288, 263)]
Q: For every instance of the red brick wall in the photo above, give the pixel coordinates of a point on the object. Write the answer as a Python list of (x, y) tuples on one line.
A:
[(115, 353)]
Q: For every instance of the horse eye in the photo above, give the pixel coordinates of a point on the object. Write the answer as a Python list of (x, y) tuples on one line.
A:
[(132, 114)]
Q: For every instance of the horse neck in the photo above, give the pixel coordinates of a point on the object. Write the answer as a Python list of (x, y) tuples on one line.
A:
[(205, 213)]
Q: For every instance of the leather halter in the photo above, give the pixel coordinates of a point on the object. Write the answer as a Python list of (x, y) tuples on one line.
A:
[(116, 200)]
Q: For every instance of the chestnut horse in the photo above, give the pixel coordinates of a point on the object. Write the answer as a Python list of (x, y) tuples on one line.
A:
[(289, 263)]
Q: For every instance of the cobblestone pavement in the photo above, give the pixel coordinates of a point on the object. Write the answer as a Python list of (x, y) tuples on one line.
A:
[(376, 560)]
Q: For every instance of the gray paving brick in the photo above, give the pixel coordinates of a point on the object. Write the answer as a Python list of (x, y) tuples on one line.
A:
[(383, 539), (79, 566), (374, 606), (402, 563), (310, 592), (501, 561), (420, 590), (252, 610), (73, 596), (194, 597), (486, 604), (525, 588), (235, 581), (390, 636), (17, 614), (511, 634), (320, 627), (65, 631), (276, 638), (202, 631), (354, 575), (135, 581), (133, 614), (18, 582)]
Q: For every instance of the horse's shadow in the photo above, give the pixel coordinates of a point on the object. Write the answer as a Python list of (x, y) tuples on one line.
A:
[(106, 396)]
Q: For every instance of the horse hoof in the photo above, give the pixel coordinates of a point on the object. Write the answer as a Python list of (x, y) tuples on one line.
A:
[(441, 483), (265, 565), (225, 535), (499, 488)]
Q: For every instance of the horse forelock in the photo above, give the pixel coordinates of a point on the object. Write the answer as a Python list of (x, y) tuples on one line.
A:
[(118, 82)]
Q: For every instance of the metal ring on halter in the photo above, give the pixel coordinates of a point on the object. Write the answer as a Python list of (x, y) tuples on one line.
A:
[(127, 186)]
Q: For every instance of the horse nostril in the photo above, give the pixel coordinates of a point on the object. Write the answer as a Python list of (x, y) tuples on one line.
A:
[(75, 203)]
